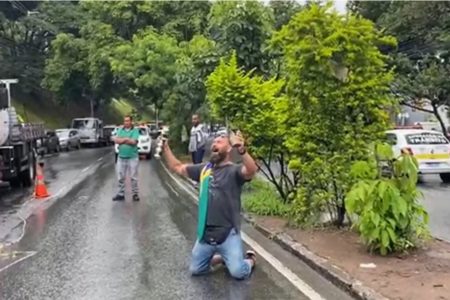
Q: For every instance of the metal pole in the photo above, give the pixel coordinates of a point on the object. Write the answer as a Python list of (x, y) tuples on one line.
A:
[(9, 94)]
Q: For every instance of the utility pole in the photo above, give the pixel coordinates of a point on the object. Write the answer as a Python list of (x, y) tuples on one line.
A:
[(7, 83)]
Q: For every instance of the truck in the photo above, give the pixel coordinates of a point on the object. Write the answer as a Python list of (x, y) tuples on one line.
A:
[(90, 130), (18, 143)]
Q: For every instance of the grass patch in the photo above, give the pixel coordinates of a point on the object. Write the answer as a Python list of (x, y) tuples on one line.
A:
[(259, 197)]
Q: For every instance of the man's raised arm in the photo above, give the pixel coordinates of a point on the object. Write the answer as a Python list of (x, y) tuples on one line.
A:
[(172, 162)]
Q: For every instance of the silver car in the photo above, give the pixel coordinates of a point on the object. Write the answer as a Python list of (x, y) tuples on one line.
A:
[(69, 139)]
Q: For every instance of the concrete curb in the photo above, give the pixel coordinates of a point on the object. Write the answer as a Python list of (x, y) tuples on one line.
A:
[(30, 206), (331, 272)]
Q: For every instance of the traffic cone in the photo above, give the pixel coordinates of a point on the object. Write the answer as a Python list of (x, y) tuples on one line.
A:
[(40, 190)]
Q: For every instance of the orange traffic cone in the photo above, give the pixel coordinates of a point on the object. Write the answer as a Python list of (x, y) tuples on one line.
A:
[(40, 190)]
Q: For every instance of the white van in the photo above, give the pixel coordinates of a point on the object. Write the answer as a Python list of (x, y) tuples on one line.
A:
[(90, 130)]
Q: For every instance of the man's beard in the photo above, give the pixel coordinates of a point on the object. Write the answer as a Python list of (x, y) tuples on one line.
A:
[(218, 157)]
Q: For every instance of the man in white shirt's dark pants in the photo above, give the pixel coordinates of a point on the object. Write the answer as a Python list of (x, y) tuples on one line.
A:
[(197, 141)]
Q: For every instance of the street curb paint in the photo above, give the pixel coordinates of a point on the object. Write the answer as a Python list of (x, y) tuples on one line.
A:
[(331, 272), (337, 276)]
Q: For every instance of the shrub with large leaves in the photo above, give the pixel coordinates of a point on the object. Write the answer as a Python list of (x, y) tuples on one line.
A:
[(385, 201)]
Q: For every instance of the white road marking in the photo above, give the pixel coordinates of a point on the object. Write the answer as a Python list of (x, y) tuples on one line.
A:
[(100, 159), (24, 225), (302, 286), (85, 169), (28, 255), (173, 190)]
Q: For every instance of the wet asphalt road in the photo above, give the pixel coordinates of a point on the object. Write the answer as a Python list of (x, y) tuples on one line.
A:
[(61, 170), (86, 246), (436, 199)]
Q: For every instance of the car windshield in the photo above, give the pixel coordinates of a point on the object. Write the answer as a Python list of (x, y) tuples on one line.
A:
[(83, 123), (62, 133), (426, 138), (143, 131)]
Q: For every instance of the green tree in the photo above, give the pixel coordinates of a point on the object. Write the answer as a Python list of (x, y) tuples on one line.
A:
[(338, 88), (422, 57), (79, 66), (147, 65), (259, 109), (180, 19), (242, 26), (198, 58), (26, 31), (283, 11)]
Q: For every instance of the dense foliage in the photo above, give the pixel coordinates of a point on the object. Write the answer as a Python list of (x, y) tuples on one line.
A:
[(385, 201), (422, 57), (259, 109), (331, 126)]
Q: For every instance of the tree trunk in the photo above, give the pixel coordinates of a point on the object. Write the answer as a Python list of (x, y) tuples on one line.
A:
[(91, 102), (439, 118)]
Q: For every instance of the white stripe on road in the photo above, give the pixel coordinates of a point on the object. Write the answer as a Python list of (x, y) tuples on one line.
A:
[(100, 159), (85, 169), (302, 286), (173, 190), (28, 255)]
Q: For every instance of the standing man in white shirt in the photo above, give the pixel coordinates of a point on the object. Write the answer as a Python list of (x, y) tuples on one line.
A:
[(197, 141)]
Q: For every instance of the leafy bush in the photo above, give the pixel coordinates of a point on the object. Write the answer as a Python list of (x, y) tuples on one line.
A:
[(338, 91), (258, 108), (385, 201), (260, 198)]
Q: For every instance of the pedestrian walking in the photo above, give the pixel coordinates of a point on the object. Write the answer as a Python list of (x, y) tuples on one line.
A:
[(128, 158), (218, 229), (197, 141)]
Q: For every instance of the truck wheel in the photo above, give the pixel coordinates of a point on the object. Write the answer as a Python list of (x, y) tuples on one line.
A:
[(27, 176), (445, 177)]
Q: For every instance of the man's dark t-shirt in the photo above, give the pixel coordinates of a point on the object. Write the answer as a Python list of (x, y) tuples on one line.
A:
[(224, 195)]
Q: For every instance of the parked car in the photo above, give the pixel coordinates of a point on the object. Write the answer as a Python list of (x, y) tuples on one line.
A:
[(49, 143), (145, 143), (108, 134), (430, 148), (154, 131), (69, 139)]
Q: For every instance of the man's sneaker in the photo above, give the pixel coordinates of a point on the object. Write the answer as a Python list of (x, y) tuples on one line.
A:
[(118, 198), (250, 254), (136, 197)]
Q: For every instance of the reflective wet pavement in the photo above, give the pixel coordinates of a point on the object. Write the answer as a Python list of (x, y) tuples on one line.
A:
[(86, 246)]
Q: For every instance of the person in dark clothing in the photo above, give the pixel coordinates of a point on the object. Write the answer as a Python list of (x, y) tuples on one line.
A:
[(197, 140), (218, 231)]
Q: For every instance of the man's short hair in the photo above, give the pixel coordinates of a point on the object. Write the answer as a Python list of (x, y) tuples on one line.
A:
[(128, 116)]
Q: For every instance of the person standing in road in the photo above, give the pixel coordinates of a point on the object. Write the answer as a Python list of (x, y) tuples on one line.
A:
[(218, 229), (197, 141), (128, 158)]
